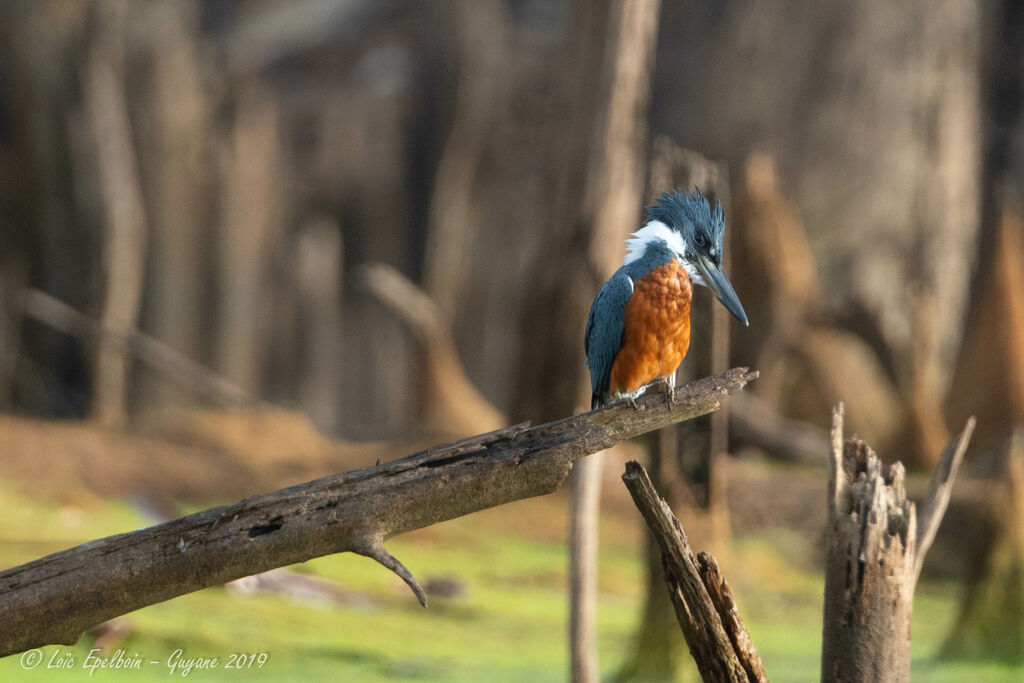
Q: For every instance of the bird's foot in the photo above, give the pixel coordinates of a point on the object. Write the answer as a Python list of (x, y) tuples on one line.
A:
[(631, 397), (668, 387)]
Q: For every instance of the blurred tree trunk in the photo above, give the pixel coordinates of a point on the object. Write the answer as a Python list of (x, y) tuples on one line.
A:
[(551, 377), (584, 518), (13, 281), (362, 172), (122, 208), (989, 377), (43, 42), (173, 113), (989, 374), (611, 198), (318, 268), (252, 212), (597, 203), (454, 218), (873, 112)]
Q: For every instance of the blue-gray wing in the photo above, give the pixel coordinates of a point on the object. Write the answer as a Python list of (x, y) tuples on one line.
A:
[(605, 325)]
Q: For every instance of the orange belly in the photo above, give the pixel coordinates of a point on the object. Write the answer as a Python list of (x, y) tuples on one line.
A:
[(656, 332)]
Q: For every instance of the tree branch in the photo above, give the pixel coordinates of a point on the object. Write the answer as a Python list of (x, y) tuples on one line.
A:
[(53, 599)]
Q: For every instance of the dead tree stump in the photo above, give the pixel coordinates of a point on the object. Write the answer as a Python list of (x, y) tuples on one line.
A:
[(874, 551)]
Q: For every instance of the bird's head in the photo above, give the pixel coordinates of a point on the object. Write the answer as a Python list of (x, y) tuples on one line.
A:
[(686, 225)]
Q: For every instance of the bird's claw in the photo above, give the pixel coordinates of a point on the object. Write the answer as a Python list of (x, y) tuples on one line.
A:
[(670, 391)]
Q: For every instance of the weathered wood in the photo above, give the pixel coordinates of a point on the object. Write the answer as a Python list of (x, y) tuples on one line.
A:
[(874, 551), (53, 599), (698, 615), (721, 597)]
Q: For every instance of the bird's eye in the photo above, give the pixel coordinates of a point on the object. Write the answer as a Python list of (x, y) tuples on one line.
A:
[(702, 240)]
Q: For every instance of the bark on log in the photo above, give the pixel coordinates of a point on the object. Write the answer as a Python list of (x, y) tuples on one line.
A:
[(53, 599), (874, 553), (702, 599)]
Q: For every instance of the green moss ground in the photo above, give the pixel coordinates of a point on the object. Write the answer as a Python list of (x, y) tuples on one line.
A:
[(508, 624)]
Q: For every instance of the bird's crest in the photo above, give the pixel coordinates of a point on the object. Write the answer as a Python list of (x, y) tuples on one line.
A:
[(685, 212)]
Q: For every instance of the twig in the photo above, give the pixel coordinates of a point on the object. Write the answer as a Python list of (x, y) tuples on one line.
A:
[(934, 505), (53, 599), (374, 549)]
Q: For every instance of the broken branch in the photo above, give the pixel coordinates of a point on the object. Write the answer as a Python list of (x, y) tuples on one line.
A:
[(699, 617)]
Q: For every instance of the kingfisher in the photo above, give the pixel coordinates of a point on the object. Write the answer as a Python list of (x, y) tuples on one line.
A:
[(638, 330)]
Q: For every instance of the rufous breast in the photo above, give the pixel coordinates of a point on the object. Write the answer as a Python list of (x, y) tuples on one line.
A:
[(656, 332)]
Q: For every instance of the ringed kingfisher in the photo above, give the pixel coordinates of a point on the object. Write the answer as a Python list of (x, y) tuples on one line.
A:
[(638, 330)]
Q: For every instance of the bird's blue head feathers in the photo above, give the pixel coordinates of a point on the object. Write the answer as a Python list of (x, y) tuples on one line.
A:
[(691, 215)]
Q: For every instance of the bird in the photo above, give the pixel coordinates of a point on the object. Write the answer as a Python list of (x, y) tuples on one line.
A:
[(638, 329)]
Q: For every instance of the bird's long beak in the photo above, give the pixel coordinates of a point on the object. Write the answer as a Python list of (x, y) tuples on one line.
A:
[(720, 286)]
